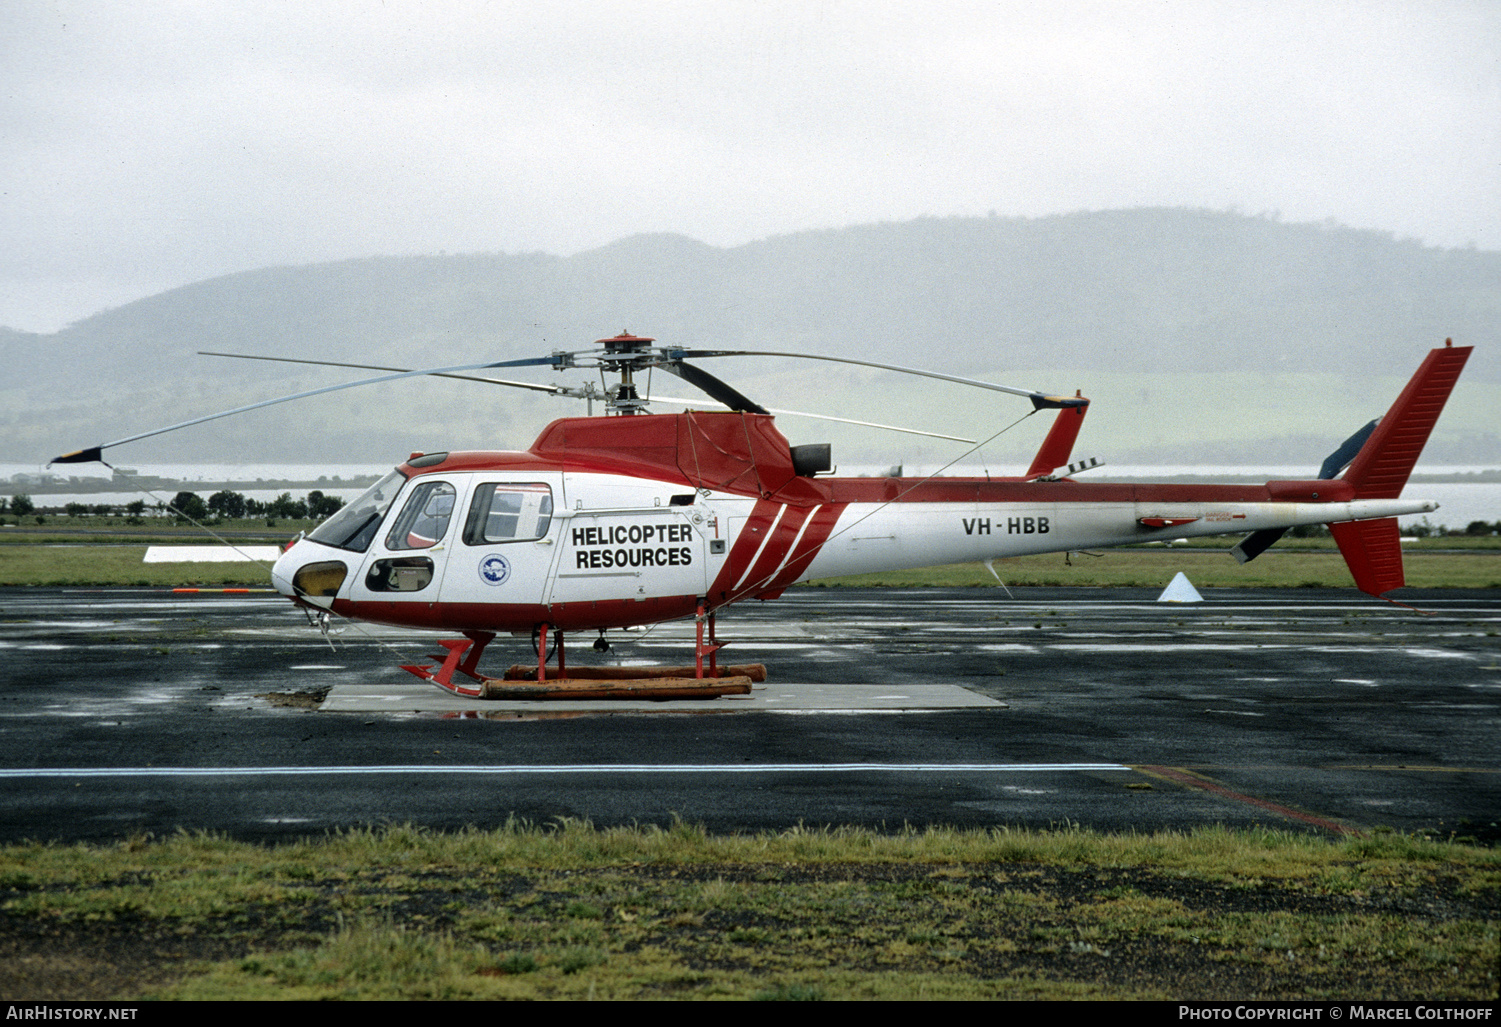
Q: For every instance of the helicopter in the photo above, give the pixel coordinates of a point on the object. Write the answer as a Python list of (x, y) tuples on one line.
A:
[(636, 518)]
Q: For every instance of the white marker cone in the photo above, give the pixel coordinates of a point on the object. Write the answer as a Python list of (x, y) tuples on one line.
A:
[(1180, 590)]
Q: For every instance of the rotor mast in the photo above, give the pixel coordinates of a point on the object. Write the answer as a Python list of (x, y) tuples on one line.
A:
[(625, 353)]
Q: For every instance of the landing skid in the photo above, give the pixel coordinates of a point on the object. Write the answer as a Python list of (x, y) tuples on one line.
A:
[(555, 683)]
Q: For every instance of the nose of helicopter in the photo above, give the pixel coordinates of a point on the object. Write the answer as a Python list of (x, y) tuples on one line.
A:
[(282, 571), (305, 573)]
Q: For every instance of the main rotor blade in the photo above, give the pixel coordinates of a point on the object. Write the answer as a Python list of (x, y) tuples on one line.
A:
[(95, 453), (675, 401), (1040, 400), (560, 390), (554, 389), (713, 387)]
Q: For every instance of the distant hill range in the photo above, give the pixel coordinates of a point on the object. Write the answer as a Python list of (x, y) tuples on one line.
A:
[(1201, 335)]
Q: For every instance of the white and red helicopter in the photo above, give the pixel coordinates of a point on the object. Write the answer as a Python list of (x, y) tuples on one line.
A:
[(637, 518)]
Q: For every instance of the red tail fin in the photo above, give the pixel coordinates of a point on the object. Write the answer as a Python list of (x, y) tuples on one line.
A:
[(1381, 467), (1373, 553), (1059, 444), (1372, 549)]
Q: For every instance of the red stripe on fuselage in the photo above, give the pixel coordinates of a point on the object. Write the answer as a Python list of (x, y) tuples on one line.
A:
[(775, 551), (790, 548), (744, 549), (814, 536)]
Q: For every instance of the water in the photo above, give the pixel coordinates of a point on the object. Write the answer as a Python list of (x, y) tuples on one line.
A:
[(205, 472), (1460, 503), (211, 473)]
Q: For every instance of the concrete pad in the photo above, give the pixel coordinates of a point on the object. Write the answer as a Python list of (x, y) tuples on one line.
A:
[(211, 554), (424, 698)]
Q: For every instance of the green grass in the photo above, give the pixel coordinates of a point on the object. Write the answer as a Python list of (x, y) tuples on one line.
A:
[(117, 565), (1476, 566), (570, 911), (97, 551), (58, 530)]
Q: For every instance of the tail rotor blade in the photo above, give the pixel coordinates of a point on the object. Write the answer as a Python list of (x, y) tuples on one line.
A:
[(1256, 543), (1336, 461)]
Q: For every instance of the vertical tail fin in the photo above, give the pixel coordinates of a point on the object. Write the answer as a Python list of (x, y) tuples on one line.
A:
[(1373, 552), (1381, 467), (1372, 549)]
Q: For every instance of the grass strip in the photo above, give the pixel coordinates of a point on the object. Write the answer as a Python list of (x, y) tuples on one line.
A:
[(117, 565), (571, 911)]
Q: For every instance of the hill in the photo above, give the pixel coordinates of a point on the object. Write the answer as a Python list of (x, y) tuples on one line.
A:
[(1200, 334)]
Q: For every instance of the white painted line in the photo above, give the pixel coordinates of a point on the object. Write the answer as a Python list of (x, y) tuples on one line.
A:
[(576, 768)]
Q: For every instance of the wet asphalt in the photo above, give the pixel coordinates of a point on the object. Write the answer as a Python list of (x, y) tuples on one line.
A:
[(140, 710)]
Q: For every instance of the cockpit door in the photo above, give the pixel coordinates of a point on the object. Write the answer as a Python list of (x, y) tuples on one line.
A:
[(506, 542), (406, 560)]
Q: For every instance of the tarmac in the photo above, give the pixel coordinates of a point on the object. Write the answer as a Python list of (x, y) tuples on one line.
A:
[(1322, 711)]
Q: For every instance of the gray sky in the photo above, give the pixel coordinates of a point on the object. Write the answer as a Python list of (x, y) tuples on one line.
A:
[(151, 144)]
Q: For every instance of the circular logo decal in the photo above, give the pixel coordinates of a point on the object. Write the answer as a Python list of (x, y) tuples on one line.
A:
[(494, 570)]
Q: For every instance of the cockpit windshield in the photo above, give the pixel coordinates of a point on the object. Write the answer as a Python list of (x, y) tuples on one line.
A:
[(355, 526)]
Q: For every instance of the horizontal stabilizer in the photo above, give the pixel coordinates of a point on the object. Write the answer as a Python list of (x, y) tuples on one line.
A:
[(1373, 551)]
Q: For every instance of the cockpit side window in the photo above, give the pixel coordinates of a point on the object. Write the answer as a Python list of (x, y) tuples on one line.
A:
[(355, 526), (424, 520), (508, 512)]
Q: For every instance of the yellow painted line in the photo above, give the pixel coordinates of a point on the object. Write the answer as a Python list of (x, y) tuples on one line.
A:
[(1190, 779)]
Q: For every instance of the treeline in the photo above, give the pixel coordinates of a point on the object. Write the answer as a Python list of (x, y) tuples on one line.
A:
[(1474, 528), (232, 505), (221, 506), (229, 505)]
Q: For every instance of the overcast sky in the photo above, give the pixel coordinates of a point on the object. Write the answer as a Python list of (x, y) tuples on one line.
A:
[(151, 144)]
